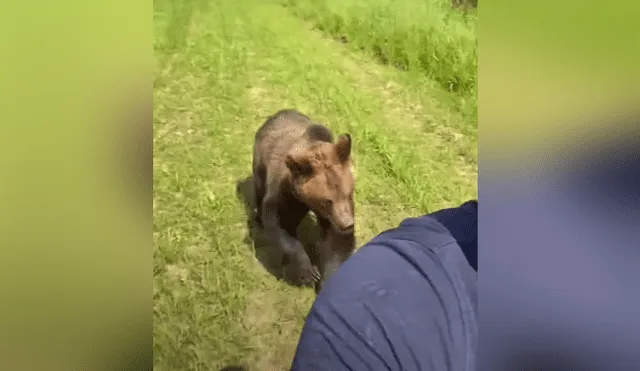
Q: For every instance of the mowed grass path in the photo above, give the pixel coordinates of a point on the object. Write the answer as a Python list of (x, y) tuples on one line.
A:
[(221, 68)]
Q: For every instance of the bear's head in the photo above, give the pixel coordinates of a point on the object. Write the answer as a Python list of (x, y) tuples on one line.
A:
[(322, 179)]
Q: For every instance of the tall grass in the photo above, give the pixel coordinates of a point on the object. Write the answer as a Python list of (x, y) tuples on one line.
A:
[(424, 36)]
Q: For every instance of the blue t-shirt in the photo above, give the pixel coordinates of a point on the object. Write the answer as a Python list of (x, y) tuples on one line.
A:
[(407, 300)]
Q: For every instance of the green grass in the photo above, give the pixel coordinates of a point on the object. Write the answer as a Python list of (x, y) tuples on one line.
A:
[(422, 37), (221, 68)]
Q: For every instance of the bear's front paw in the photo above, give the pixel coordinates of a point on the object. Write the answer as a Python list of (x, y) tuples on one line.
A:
[(309, 275), (304, 273)]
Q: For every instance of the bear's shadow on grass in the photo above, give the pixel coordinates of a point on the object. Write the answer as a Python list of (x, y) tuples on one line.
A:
[(268, 256)]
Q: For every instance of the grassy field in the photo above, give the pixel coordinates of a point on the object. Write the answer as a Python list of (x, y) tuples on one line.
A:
[(221, 68)]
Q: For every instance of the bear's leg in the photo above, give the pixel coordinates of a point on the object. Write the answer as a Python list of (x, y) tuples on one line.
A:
[(259, 189), (333, 250), (325, 226), (290, 217)]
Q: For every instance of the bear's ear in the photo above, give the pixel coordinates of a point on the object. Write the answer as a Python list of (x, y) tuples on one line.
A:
[(298, 164), (343, 147)]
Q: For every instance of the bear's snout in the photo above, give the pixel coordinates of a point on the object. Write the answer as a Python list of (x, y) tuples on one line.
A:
[(344, 223), (347, 228)]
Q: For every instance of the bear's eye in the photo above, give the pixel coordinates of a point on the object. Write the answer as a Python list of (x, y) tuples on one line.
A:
[(327, 203), (305, 170)]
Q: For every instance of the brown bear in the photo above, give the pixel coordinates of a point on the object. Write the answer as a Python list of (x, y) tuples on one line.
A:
[(298, 168)]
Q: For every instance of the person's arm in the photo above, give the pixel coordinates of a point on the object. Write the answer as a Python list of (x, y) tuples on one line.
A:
[(405, 301)]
